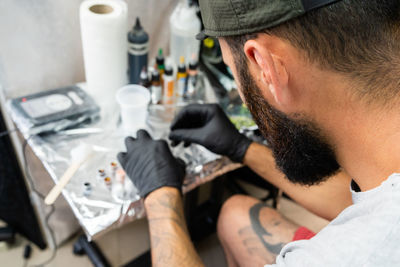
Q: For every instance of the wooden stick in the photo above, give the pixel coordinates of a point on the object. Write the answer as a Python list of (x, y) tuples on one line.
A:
[(56, 191)]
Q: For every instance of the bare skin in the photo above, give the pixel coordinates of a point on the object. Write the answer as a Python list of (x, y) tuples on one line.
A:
[(170, 241), (246, 245), (326, 200), (251, 233)]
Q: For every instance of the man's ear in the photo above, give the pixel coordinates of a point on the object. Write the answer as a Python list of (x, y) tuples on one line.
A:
[(272, 72)]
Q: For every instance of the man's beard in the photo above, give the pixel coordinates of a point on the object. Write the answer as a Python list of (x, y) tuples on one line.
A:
[(299, 149)]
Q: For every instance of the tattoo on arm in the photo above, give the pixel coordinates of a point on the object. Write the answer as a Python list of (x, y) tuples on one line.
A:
[(170, 241)]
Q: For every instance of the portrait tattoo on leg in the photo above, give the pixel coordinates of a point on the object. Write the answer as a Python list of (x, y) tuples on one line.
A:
[(261, 231), (257, 239)]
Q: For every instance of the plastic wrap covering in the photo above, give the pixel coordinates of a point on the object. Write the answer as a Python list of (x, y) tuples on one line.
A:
[(32, 124), (100, 204)]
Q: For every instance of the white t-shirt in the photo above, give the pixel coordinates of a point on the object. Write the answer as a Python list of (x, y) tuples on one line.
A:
[(365, 234)]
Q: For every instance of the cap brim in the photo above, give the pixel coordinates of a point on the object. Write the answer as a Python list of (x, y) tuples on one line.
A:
[(201, 36)]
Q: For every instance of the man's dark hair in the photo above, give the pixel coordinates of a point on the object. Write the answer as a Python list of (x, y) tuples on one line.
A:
[(358, 38)]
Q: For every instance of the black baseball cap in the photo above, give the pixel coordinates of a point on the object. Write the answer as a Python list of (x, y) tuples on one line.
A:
[(234, 17)]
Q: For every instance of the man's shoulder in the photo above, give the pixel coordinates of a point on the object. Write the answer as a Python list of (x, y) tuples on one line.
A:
[(362, 234)]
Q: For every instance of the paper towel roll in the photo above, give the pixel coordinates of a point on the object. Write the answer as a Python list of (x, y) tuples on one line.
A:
[(104, 27)]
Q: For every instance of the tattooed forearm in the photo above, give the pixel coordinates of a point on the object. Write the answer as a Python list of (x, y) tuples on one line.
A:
[(170, 241)]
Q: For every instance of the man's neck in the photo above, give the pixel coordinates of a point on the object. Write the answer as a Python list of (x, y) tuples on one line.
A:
[(367, 143), (365, 138)]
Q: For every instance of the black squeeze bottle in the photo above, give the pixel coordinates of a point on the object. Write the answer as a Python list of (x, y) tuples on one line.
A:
[(138, 49)]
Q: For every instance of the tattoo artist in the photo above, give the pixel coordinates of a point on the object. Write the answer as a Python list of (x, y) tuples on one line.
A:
[(321, 79)]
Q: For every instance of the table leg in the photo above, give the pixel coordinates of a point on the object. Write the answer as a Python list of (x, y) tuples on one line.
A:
[(202, 218), (83, 246)]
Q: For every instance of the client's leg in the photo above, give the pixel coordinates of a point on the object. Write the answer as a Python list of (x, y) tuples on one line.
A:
[(251, 233)]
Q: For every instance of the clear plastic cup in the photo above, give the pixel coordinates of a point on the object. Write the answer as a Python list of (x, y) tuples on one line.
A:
[(133, 101)]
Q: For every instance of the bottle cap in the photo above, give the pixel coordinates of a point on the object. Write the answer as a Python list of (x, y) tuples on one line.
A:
[(181, 66), (155, 77), (144, 78), (193, 64), (160, 58), (143, 74), (168, 70), (209, 42), (138, 26), (137, 35)]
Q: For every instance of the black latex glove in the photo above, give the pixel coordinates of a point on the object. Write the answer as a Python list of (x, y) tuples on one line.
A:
[(150, 164), (209, 126)]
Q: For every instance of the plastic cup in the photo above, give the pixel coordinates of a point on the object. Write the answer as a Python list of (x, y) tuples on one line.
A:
[(133, 100)]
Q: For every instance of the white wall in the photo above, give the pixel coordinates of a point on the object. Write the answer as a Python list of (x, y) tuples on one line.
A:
[(40, 45), (40, 48)]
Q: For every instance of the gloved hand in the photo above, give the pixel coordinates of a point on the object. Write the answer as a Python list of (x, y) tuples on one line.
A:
[(150, 164), (209, 126)]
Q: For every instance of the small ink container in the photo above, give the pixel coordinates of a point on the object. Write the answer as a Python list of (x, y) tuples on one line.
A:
[(87, 189)]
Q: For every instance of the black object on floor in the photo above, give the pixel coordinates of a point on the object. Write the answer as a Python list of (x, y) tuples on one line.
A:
[(7, 234), (143, 260), (27, 251), (83, 246), (15, 206)]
